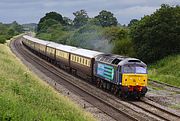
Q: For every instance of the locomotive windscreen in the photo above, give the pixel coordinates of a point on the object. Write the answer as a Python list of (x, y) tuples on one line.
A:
[(134, 69)]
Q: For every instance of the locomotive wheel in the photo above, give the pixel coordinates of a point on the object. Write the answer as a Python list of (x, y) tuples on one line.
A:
[(115, 90), (98, 83), (108, 86), (104, 85), (112, 88), (124, 95), (101, 84)]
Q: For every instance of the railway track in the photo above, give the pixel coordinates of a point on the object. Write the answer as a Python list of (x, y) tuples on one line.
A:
[(157, 111), (56, 75), (164, 85), (109, 104)]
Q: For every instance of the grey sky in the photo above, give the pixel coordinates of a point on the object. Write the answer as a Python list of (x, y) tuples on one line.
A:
[(28, 11)]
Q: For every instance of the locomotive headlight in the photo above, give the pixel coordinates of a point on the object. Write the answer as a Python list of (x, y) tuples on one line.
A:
[(136, 83)]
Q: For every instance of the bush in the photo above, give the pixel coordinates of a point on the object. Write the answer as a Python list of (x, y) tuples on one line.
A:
[(157, 36), (124, 47), (3, 39)]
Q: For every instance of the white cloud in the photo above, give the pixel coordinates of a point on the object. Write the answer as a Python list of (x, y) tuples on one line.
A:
[(31, 10), (125, 15)]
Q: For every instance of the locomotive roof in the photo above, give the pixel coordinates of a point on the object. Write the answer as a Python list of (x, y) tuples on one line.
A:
[(118, 60)]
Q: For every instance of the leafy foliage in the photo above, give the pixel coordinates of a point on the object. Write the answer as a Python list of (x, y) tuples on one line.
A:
[(132, 22), (157, 35), (9, 30), (124, 47), (115, 33), (52, 18), (81, 18), (150, 39), (86, 37), (106, 18)]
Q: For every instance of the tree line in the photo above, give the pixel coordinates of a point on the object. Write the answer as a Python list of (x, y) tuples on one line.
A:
[(7, 31), (151, 38)]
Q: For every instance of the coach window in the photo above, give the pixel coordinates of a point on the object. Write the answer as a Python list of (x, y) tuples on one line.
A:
[(72, 57), (83, 61), (80, 60), (86, 62), (77, 59)]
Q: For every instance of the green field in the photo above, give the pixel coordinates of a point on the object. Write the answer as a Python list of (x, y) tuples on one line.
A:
[(24, 97), (166, 70)]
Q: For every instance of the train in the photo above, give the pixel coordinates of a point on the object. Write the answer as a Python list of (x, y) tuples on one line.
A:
[(123, 76)]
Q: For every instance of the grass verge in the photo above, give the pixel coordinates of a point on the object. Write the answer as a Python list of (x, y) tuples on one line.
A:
[(24, 97), (166, 70)]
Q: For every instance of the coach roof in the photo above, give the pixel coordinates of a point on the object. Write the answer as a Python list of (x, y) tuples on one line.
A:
[(86, 53), (66, 48), (43, 42)]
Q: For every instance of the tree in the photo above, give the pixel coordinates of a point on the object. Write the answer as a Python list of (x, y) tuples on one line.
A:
[(68, 21), (81, 18), (115, 33), (132, 22), (123, 46), (157, 35), (46, 24), (11, 32), (17, 28), (53, 16), (106, 18)]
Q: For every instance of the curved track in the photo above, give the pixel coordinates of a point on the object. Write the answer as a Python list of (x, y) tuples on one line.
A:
[(109, 104), (70, 83)]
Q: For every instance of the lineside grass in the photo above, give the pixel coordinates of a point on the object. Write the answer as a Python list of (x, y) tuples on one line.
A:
[(24, 97), (166, 70)]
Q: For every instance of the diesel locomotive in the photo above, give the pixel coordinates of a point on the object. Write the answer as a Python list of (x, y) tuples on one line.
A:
[(123, 76)]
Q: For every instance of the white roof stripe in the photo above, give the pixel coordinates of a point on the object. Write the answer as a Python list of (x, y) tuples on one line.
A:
[(66, 48)]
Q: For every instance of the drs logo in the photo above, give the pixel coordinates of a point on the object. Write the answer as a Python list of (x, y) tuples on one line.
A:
[(105, 71)]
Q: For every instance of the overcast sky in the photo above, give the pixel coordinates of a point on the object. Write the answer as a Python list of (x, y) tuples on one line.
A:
[(30, 11)]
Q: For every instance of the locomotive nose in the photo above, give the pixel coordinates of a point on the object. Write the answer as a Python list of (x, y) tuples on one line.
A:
[(135, 80)]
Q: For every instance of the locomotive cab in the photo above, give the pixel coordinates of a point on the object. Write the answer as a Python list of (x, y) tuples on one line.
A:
[(134, 77)]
